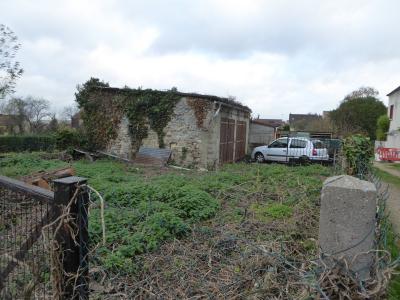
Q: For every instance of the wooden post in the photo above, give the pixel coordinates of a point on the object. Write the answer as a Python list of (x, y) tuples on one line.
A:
[(73, 245)]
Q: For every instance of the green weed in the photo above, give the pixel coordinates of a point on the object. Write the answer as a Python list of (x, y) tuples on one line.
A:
[(143, 211)]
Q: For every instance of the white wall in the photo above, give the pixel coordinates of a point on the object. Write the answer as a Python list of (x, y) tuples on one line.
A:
[(393, 139), (261, 134)]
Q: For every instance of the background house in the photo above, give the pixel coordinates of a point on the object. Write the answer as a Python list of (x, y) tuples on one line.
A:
[(9, 124), (275, 123), (393, 137), (263, 131), (203, 131)]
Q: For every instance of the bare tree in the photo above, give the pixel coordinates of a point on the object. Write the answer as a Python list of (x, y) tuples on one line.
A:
[(10, 69), (28, 111), (36, 111), (69, 111), (16, 108)]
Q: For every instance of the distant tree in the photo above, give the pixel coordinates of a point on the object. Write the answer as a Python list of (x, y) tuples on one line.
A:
[(16, 107), (363, 92), (382, 129), (29, 110), (358, 113), (36, 111), (10, 69), (83, 90), (68, 112), (53, 124)]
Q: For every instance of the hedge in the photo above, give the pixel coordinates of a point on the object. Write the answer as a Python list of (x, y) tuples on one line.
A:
[(17, 143)]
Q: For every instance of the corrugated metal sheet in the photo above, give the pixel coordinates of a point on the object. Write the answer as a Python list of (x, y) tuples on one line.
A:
[(152, 156)]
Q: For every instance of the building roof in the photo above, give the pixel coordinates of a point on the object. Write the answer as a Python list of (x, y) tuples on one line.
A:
[(293, 118), (227, 101), (394, 91), (269, 122)]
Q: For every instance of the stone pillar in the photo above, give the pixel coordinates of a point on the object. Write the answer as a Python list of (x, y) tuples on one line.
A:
[(347, 222)]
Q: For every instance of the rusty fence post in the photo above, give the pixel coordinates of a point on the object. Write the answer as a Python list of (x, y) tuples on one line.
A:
[(72, 237)]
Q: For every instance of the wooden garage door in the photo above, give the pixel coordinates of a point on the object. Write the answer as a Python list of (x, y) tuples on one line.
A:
[(227, 137), (240, 149)]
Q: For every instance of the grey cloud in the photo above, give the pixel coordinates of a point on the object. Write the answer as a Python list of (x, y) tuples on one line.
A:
[(335, 45)]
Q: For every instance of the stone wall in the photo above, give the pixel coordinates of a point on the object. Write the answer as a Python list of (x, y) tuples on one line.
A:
[(121, 146), (193, 133)]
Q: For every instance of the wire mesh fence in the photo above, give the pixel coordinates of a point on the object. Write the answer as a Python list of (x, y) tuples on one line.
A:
[(24, 256), (43, 242)]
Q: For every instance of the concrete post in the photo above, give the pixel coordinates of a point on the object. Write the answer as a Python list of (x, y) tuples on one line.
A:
[(347, 222)]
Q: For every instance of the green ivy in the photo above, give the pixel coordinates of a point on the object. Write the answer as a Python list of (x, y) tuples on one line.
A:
[(153, 106), (104, 109)]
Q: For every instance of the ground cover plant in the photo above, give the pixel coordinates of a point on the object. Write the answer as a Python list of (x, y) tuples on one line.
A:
[(180, 233)]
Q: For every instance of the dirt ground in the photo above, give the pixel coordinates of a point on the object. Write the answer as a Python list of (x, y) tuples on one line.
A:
[(393, 203)]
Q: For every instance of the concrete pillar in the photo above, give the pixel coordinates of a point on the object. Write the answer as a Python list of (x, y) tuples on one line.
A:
[(347, 222)]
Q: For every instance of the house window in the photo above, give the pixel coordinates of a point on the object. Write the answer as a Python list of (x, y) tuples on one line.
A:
[(391, 112)]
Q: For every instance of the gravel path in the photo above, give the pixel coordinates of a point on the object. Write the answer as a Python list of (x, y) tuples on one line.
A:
[(393, 203)]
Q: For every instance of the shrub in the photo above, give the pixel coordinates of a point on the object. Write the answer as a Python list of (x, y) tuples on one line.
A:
[(69, 138), (20, 143), (358, 152), (383, 124), (195, 204)]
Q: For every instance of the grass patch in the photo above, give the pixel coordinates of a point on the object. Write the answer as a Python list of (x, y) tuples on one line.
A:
[(274, 211), (25, 163), (395, 166), (386, 177)]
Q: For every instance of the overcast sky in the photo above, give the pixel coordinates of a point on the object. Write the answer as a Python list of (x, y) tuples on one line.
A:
[(277, 57)]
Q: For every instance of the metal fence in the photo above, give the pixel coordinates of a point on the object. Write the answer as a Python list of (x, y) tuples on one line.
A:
[(43, 238)]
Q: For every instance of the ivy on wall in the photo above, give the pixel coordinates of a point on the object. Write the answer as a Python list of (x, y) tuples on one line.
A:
[(154, 107), (103, 109), (200, 108)]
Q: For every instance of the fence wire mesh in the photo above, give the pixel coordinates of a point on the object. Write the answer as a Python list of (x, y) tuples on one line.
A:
[(24, 257), (43, 240)]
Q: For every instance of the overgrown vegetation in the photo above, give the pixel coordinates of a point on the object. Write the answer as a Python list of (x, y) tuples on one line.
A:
[(382, 127), (67, 138), (248, 229), (143, 210), (144, 109), (358, 152)]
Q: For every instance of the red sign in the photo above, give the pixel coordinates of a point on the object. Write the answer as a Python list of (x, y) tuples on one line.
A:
[(389, 154)]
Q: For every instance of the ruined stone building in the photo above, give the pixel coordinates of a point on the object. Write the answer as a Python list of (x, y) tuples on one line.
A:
[(202, 130)]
